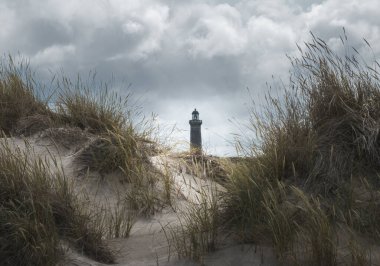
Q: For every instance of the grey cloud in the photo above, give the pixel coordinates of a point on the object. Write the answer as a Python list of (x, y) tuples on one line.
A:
[(181, 54), (38, 33)]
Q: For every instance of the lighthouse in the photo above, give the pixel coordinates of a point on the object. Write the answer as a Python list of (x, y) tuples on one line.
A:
[(195, 133)]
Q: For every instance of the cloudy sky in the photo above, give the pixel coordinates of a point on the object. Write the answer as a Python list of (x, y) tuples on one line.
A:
[(181, 54)]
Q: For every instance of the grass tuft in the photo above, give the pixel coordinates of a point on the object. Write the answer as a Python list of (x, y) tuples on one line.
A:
[(198, 230), (38, 209), (95, 109), (18, 95), (312, 162)]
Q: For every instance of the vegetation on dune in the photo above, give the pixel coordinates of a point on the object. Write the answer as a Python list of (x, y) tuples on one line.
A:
[(310, 174), (95, 109), (200, 223), (313, 166), (38, 211), (118, 143), (308, 183), (18, 97)]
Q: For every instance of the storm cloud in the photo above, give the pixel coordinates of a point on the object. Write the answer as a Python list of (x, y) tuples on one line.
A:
[(177, 54)]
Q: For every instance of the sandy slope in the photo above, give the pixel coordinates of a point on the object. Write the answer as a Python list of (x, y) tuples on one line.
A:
[(147, 243)]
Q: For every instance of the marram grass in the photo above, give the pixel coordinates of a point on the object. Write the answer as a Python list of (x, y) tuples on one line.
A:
[(38, 210), (312, 158)]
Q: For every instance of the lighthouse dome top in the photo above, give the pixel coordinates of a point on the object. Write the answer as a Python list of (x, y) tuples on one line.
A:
[(195, 114)]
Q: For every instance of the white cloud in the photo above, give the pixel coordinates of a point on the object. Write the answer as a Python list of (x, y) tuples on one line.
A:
[(55, 54), (132, 27), (269, 35), (155, 19), (217, 31)]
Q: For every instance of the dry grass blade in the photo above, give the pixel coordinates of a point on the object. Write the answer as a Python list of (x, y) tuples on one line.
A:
[(320, 135), (38, 209), (198, 229), (18, 95), (96, 110)]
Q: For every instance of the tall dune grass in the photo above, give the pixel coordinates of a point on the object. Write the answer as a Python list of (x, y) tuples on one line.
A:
[(322, 137), (122, 137), (95, 109), (199, 224), (38, 210), (18, 95), (326, 126)]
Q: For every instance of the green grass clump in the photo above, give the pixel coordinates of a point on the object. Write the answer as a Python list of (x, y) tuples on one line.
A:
[(243, 203), (95, 109), (119, 141), (18, 95), (117, 144), (325, 127), (101, 128), (38, 210), (110, 152), (316, 232), (310, 149), (198, 231)]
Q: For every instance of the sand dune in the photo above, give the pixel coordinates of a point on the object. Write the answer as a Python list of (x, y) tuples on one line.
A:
[(147, 243)]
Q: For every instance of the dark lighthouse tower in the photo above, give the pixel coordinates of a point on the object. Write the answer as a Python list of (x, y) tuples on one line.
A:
[(195, 133)]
